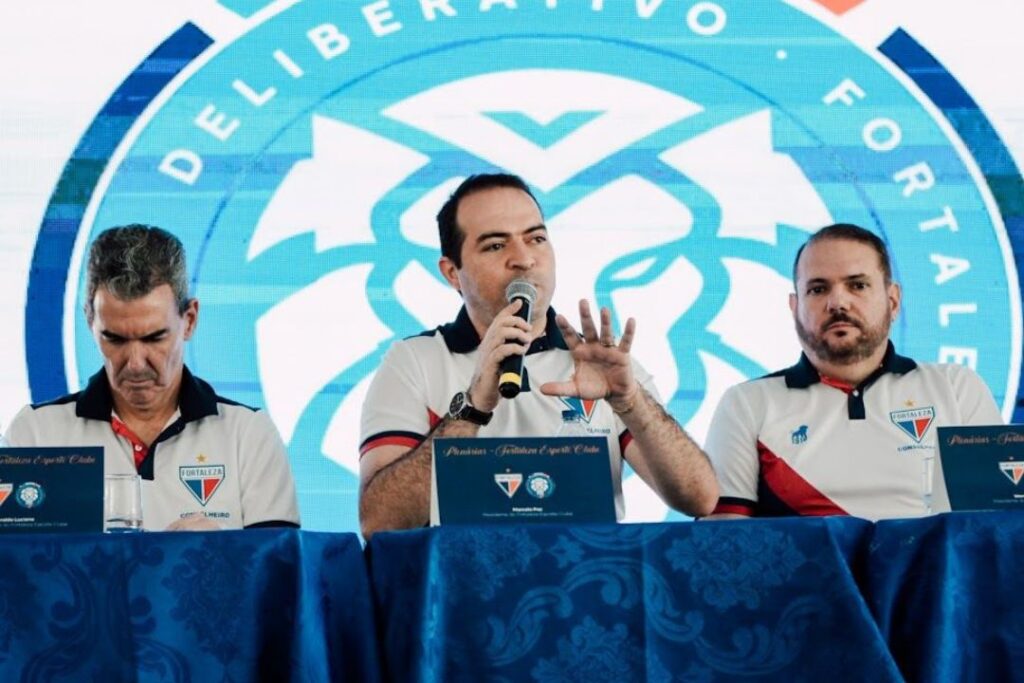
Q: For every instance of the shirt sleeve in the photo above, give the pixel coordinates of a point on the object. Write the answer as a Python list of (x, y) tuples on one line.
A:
[(396, 411), (22, 430), (977, 407), (731, 445), (267, 486)]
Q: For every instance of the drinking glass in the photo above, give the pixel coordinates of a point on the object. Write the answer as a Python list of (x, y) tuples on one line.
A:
[(927, 481), (122, 503)]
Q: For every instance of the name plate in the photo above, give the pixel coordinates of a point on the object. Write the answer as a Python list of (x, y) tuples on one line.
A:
[(983, 467), (523, 480), (45, 490)]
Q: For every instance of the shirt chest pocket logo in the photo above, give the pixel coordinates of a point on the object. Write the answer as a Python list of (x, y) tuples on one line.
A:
[(914, 422), (202, 481)]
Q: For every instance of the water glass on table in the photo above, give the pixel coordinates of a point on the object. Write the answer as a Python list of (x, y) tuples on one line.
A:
[(122, 503), (927, 481)]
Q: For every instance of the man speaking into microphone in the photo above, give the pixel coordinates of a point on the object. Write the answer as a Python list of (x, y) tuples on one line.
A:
[(500, 367), (510, 377)]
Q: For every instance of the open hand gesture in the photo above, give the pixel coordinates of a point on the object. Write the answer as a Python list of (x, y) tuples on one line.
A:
[(602, 366)]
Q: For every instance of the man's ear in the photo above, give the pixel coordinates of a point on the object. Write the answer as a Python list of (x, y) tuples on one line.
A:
[(792, 303), (450, 272), (895, 299), (191, 316)]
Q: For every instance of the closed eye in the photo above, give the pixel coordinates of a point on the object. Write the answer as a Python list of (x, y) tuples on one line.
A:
[(114, 339), (151, 338)]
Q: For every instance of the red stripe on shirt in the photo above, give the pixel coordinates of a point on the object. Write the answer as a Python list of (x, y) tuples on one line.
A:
[(407, 441), (792, 489), (625, 438), (399, 439), (733, 509)]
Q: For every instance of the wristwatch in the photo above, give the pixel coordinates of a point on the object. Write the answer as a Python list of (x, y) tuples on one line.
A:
[(462, 409)]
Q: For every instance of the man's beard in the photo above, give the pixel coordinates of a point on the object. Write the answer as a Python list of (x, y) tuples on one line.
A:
[(848, 353)]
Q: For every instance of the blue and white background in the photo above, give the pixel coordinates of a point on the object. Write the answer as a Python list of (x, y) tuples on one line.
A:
[(681, 151)]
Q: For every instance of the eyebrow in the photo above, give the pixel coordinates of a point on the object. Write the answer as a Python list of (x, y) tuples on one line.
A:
[(499, 234)]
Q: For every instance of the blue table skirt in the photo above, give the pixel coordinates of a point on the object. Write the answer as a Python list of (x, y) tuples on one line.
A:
[(260, 605), (753, 600), (829, 600), (947, 595)]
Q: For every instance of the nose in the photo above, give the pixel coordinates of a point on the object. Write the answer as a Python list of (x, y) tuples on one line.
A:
[(519, 256), (838, 300), (136, 357)]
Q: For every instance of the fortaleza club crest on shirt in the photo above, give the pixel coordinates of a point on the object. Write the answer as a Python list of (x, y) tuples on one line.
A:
[(584, 408), (915, 422), (202, 481)]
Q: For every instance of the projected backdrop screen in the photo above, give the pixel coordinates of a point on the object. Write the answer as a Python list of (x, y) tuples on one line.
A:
[(681, 151)]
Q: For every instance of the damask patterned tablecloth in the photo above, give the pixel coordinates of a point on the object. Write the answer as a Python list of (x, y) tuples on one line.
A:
[(947, 595), (257, 605), (756, 600)]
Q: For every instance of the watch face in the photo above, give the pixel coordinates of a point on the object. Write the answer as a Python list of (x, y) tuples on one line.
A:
[(462, 409), (458, 401)]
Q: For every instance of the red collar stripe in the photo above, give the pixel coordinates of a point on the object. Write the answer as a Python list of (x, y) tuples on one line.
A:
[(139, 449)]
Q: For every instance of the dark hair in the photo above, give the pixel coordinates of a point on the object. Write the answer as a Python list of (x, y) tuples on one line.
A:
[(132, 260), (853, 233), (451, 234)]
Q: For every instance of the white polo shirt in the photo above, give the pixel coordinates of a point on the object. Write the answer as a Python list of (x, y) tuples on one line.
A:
[(215, 457), (792, 444), (418, 377)]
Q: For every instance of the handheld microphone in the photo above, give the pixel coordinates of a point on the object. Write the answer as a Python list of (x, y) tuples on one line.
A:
[(510, 375)]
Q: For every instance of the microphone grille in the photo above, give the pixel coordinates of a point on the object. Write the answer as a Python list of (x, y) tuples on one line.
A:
[(521, 289)]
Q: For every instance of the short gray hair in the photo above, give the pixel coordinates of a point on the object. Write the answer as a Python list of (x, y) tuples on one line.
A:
[(130, 261)]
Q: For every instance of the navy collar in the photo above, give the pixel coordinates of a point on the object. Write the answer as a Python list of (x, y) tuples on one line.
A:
[(460, 336), (804, 374), (196, 398)]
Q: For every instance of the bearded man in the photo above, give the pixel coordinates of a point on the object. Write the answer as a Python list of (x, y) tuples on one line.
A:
[(851, 428)]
